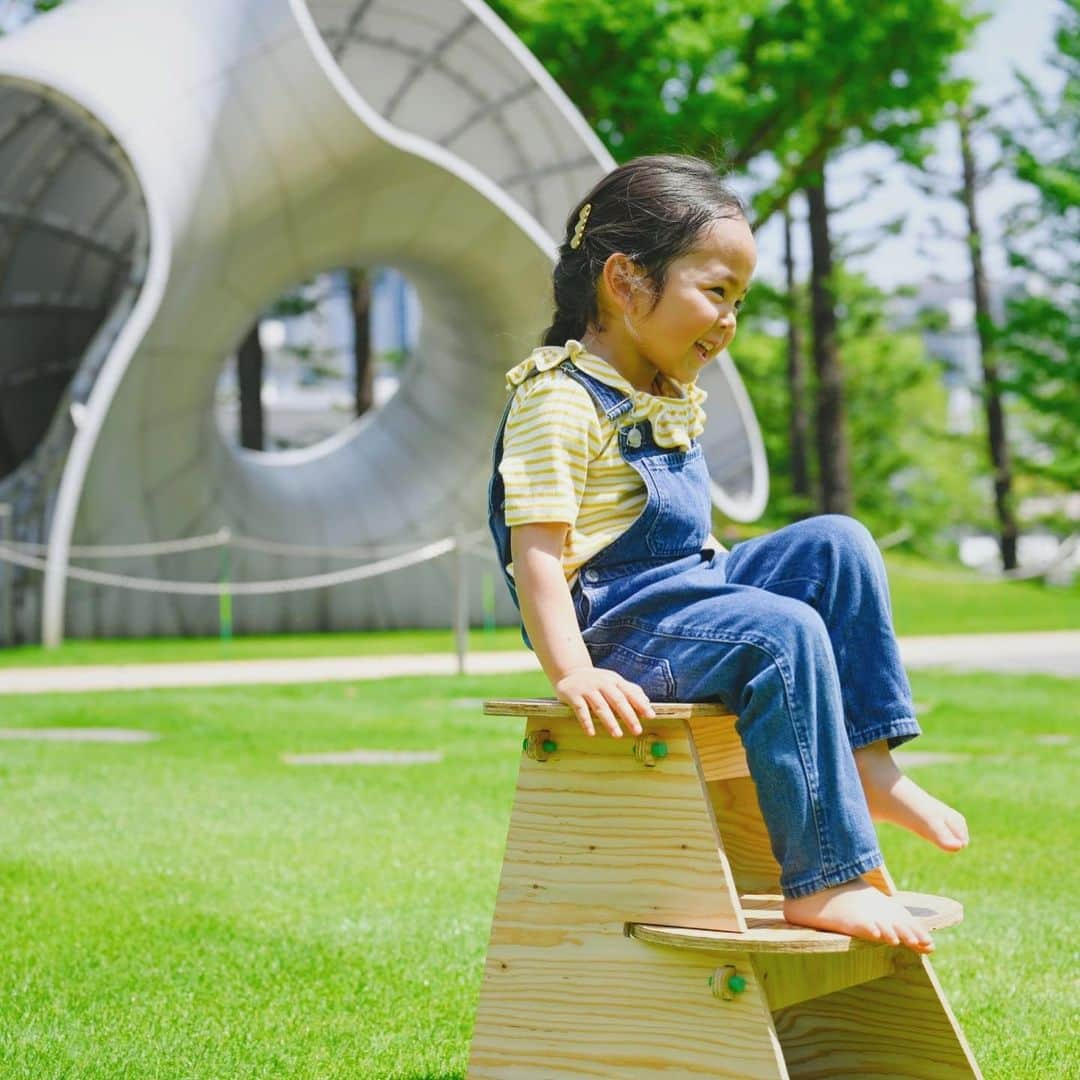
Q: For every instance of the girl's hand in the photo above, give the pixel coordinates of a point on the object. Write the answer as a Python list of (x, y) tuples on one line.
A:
[(597, 692)]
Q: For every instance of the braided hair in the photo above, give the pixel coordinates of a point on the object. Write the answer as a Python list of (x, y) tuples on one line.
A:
[(652, 209)]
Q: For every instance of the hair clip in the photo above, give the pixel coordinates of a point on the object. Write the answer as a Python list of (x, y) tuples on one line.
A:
[(579, 228)]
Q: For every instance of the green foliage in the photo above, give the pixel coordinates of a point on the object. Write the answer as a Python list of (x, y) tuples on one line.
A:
[(787, 84), (1040, 339), (907, 469), (645, 76), (794, 81), (291, 306)]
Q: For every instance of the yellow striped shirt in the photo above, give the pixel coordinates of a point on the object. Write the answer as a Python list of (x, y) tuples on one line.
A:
[(561, 460)]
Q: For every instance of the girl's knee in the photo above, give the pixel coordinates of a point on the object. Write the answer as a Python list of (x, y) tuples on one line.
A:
[(844, 540), (798, 629), (839, 529)]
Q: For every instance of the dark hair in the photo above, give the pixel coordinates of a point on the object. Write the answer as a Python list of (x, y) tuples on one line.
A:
[(652, 209)]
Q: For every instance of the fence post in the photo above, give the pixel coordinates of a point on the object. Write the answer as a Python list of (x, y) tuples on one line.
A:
[(7, 585), (461, 599), (225, 619)]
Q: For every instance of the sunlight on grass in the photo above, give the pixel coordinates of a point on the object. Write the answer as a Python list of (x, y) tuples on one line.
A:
[(195, 907)]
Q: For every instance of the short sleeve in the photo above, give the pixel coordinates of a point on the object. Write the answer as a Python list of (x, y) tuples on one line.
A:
[(552, 432)]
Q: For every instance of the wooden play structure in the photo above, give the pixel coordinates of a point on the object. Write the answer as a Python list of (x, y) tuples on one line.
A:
[(637, 930)]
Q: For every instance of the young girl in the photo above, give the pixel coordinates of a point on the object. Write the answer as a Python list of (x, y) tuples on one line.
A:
[(600, 508)]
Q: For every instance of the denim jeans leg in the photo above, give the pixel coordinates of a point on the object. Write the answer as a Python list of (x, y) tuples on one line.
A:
[(832, 563), (769, 659)]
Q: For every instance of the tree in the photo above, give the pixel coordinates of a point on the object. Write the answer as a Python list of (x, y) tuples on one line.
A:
[(910, 472), (1040, 337), (810, 101), (798, 422), (786, 86), (249, 377), (984, 329), (363, 369)]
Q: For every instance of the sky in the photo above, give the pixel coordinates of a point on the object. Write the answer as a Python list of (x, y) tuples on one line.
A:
[(1018, 34)]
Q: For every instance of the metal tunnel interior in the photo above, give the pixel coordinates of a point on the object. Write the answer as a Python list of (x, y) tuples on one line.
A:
[(70, 220)]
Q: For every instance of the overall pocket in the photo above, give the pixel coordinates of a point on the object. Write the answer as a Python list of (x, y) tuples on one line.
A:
[(653, 674)]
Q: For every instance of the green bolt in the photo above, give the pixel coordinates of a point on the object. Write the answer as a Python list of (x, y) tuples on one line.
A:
[(736, 984), (550, 746), (659, 749), (525, 743)]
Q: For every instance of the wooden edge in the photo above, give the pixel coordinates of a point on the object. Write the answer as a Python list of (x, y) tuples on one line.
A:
[(550, 708), (961, 1038), (767, 932)]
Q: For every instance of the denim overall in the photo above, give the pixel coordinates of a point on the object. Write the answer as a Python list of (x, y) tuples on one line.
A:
[(791, 631)]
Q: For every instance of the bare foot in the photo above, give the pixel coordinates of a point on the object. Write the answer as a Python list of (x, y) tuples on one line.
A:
[(896, 798), (861, 911)]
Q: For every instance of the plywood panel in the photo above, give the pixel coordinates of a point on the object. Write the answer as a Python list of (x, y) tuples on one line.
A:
[(596, 838), (899, 1026), (788, 978), (605, 1006), (745, 840), (719, 748)]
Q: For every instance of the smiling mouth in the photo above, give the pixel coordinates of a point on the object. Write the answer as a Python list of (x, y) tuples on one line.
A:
[(705, 353)]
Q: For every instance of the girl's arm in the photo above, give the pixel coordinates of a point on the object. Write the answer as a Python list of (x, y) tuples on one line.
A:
[(548, 613)]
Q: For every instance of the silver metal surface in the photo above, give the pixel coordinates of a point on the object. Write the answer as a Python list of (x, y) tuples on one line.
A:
[(166, 170)]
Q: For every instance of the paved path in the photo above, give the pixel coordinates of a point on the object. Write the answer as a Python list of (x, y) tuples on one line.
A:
[(1055, 653)]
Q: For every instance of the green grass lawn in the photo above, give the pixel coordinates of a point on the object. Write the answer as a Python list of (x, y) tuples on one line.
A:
[(928, 598), (193, 907)]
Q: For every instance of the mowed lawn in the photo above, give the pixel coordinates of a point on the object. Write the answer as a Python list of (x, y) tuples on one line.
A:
[(194, 907)]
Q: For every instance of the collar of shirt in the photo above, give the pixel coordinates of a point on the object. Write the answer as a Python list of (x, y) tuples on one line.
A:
[(675, 420)]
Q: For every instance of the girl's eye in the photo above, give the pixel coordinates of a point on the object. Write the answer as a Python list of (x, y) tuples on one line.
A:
[(718, 289)]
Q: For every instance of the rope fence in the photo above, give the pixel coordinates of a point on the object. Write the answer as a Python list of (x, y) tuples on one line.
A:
[(386, 559), (30, 556)]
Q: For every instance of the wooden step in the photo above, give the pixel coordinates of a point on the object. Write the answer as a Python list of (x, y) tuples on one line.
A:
[(767, 932)]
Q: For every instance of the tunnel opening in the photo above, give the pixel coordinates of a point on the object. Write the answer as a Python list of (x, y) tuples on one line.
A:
[(70, 220), (329, 350)]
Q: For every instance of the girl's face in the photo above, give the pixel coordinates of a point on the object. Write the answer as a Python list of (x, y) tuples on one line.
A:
[(696, 314)]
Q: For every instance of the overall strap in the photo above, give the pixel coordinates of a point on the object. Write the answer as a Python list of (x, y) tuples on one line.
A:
[(612, 403)]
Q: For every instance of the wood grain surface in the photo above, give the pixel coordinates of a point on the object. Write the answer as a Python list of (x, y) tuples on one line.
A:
[(899, 1026), (625, 886), (611, 1008), (550, 708)]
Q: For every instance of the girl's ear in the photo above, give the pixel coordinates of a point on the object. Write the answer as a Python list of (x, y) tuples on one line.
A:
[(624, 281)]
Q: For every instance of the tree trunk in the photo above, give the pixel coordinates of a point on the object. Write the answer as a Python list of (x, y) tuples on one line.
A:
[(363, 368), (995, 415), (833, 456), (798, 424), (249, 370)]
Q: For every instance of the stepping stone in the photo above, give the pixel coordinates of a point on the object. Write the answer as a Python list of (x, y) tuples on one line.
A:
[(103, 735), (366, 757)]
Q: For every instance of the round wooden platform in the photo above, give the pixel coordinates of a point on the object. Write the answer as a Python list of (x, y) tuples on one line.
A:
[(766, 930)]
